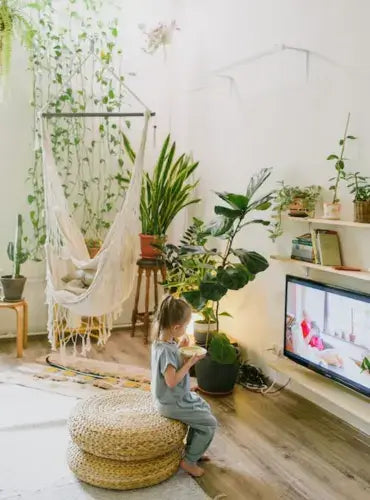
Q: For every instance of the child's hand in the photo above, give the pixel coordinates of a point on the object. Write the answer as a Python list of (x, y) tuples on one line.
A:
[(184, 342), (194, 359)]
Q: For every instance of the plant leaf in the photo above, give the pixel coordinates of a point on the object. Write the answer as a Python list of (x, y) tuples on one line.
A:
[(210, 289), (236, 201), (228, 212), (253, 261), (233, 277)]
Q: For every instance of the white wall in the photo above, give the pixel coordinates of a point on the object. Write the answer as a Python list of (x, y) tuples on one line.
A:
[(268, 116)]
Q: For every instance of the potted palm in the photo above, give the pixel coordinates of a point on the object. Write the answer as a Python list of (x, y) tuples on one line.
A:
[(359, 186), (231, 269), (332, 210), (13, 284), (93, 246), (298, 201), (164, 194)]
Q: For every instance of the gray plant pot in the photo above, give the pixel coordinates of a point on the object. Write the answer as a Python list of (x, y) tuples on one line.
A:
[(12, 287), (214, 378)]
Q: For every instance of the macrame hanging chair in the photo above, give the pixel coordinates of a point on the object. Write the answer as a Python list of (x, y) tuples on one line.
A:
[(110, 274)]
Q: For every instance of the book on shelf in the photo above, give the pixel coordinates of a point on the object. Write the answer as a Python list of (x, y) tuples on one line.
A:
[(328, 248), (302, 248)]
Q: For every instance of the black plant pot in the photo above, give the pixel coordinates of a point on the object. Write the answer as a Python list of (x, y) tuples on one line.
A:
[(215, 378), (12, 287)]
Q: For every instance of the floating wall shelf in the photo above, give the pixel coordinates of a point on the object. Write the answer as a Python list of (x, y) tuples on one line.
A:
[(329, 222), (361, 275)]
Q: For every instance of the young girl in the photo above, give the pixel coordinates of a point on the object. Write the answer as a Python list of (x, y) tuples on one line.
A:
[(171, 383)]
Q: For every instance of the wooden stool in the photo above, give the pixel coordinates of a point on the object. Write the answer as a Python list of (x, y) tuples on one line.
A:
[(21, 309), (148, 266)]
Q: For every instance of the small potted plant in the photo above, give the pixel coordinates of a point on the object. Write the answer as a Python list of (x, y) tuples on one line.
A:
[(332, 210), (13, 284), (359, 186), (164, 194), (298, 201), (365, 364), (93, 246), (231, 269)]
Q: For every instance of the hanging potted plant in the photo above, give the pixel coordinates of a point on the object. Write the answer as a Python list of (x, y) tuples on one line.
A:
[(297, 201), (359, 186), (163, 195), (332, 210), (12, 22), (232, 269), (13, 284)]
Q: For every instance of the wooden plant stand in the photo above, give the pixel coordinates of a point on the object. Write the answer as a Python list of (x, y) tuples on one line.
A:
[(21, 309)]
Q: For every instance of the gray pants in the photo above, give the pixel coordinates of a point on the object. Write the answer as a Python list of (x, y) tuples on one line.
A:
[(202, 426)]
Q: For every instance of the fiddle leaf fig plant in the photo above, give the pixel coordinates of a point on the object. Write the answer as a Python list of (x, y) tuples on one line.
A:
[(232, 268)]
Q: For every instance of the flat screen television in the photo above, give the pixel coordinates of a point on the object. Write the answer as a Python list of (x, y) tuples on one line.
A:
[(327, 329)]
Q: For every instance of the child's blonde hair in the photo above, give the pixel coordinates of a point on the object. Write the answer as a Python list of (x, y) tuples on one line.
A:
[(171, 312)]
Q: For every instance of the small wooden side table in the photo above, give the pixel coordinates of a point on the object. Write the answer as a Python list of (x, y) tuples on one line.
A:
[(149, 267), (21, 309)]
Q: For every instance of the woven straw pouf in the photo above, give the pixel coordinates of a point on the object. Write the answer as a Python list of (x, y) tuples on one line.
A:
[(118, 475), (121, 442)]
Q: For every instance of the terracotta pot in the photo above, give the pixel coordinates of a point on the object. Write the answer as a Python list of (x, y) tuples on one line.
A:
[(332, 211), (147, 250), (297, 208), (93, 251), (362, 211)]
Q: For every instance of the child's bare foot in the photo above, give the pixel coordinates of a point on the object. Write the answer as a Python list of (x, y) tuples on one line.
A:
[(204, 458), (192, 469)]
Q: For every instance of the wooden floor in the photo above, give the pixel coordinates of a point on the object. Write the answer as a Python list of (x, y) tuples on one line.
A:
[(266, 447)]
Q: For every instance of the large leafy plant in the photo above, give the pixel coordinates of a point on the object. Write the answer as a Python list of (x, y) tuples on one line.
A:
[(167, 190), (232, 268)]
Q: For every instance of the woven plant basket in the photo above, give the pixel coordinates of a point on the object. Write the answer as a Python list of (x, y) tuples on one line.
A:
[(118, 475), (124, 425), (362, 211)]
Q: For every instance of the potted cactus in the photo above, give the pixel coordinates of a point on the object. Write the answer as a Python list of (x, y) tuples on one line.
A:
[(13, 284)]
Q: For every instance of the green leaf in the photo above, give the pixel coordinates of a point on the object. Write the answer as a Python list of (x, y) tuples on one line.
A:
[(351, 137), (332, 157), (195, 299), (212, 290), (221, 350), (219, 226), (339, 165), (264, 206), (228, 212), (31, 198), (341, 142), (257, 181), (253, 261), (236, 201), (233, 277), (226, 314)]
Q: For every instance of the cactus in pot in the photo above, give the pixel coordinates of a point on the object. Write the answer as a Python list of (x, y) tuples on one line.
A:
[(13, 284)]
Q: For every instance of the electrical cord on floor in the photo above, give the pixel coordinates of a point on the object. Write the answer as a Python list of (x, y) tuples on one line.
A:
[(253, 379)]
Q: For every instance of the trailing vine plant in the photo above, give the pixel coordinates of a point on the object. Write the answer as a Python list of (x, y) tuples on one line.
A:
[(88, 152)]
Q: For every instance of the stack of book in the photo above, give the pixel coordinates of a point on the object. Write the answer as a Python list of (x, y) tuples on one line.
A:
[(319, 247)]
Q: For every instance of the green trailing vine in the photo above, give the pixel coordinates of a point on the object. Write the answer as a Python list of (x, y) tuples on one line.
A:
[(89, 153)]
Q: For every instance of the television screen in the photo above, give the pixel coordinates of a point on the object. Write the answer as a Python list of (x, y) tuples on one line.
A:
[(327, 329)]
